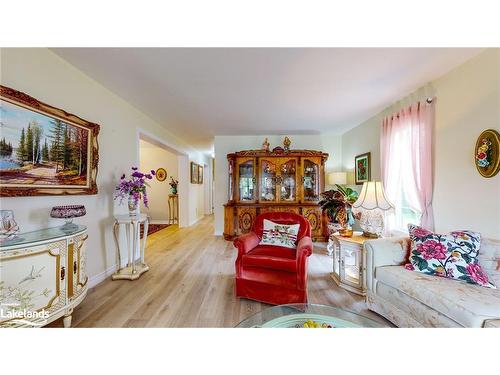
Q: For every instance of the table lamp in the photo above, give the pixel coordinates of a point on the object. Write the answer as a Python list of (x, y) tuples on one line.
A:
[(372, 204), (337, 178)]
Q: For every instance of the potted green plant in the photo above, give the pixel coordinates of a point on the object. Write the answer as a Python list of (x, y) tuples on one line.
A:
[(337, 203)]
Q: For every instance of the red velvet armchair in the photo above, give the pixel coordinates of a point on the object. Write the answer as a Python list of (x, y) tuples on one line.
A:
[(273, 274)]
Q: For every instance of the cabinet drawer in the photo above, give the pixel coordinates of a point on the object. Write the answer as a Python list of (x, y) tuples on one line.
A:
[(294, 210)]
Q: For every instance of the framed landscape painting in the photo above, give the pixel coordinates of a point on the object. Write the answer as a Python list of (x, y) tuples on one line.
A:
[(44, 150), (362, 168)]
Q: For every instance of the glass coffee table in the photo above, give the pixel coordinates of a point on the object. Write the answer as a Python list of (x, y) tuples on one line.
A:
[(306, 315)]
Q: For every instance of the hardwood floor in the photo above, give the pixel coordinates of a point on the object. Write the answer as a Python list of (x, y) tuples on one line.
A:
[(190, 284)]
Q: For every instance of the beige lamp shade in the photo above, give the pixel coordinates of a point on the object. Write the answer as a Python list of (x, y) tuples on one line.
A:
[(339, 178), (372, 197)]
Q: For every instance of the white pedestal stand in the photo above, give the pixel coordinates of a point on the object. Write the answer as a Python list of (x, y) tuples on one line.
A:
[(134, 269)]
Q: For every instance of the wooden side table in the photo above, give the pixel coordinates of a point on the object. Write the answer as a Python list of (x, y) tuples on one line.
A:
[(135, 248), (348, 262), (173, 209)]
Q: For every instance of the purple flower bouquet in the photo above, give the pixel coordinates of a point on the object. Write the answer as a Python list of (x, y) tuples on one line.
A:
[(134, 189)]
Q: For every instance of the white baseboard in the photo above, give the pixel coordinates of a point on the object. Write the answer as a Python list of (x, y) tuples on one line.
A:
[(100, 277), (196, 220)]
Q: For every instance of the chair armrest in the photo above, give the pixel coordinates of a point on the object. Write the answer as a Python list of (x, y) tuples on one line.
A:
[(391, 251), (246, 242), (304, 250)]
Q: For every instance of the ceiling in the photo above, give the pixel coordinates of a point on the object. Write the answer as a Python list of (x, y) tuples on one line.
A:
[(198, 93)]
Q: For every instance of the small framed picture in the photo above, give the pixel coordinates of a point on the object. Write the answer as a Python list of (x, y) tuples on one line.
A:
[(200, 174), (161, 174), (362, 168), (194, 173)]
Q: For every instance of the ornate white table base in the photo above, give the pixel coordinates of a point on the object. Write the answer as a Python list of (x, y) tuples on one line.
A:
[(135, 246)]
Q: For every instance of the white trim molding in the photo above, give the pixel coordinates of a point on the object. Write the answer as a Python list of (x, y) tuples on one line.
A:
[(100, 277)]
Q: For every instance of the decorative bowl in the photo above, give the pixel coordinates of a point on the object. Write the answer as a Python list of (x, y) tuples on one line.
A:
[(67, 212)]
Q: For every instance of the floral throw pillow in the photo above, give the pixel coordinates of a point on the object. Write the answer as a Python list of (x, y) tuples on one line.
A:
[(275, 234), (452, 255)]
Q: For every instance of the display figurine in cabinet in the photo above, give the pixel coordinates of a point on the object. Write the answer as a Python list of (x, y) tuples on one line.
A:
[(287, 143), (266, 145)]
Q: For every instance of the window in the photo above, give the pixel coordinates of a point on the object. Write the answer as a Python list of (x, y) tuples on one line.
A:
[(407, 166)]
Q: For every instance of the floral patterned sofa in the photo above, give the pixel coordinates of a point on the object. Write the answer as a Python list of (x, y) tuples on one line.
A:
[(412, 299)]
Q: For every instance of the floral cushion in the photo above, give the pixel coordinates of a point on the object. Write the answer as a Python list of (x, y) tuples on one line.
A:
[(453, 255), (275, 234)]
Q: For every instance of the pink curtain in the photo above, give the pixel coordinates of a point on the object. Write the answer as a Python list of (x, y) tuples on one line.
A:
[(406, 158)]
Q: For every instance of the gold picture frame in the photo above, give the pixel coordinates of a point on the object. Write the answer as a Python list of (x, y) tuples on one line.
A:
[(487, 153), (200, 174), (44, 149), (194, 173), (161, 174)]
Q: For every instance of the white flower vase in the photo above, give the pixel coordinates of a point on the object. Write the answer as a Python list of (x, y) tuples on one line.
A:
[(133, 206)]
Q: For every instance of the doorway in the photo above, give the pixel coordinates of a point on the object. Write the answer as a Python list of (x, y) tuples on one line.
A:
[(154, 154)]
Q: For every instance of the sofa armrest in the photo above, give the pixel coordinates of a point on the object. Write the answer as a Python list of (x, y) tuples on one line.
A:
[(492, 323), (246, 242), (304, 250), (391, 251)]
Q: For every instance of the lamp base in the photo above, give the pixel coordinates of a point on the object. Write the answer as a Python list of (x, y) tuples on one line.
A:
[(372, 223), (370, 235)]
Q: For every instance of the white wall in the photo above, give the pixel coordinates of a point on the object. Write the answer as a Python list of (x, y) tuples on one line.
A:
[(197, 191), (361, 139), (228, 144), (45, 76), (153, 157), (467, 102)]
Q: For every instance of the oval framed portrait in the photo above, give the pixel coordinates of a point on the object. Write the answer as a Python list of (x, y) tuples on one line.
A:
[(161, 174), (487, 153)]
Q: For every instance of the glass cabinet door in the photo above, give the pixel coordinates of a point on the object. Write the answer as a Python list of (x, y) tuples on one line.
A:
[(311, 180), (230, 189), (246, 181), (267, 181), (350, 259), (288, 180)]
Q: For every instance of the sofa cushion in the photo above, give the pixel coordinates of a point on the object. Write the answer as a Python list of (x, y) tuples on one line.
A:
[(453, 255), (274, 257), (408, 309), (266, 276), (467, 304)]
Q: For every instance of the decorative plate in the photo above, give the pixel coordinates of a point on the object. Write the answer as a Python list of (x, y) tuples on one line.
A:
[(161, 174), (298, 320), (487, 153)]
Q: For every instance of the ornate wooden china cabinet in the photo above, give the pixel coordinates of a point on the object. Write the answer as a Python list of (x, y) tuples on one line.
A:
[(277, 180)]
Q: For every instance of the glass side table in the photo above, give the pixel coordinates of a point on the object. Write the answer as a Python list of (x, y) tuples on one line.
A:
[(295, 315)]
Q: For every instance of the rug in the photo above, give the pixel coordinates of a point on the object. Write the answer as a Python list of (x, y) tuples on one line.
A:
[(153, 228)]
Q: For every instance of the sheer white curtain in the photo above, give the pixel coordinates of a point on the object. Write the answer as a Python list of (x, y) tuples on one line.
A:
[(406, 165)]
